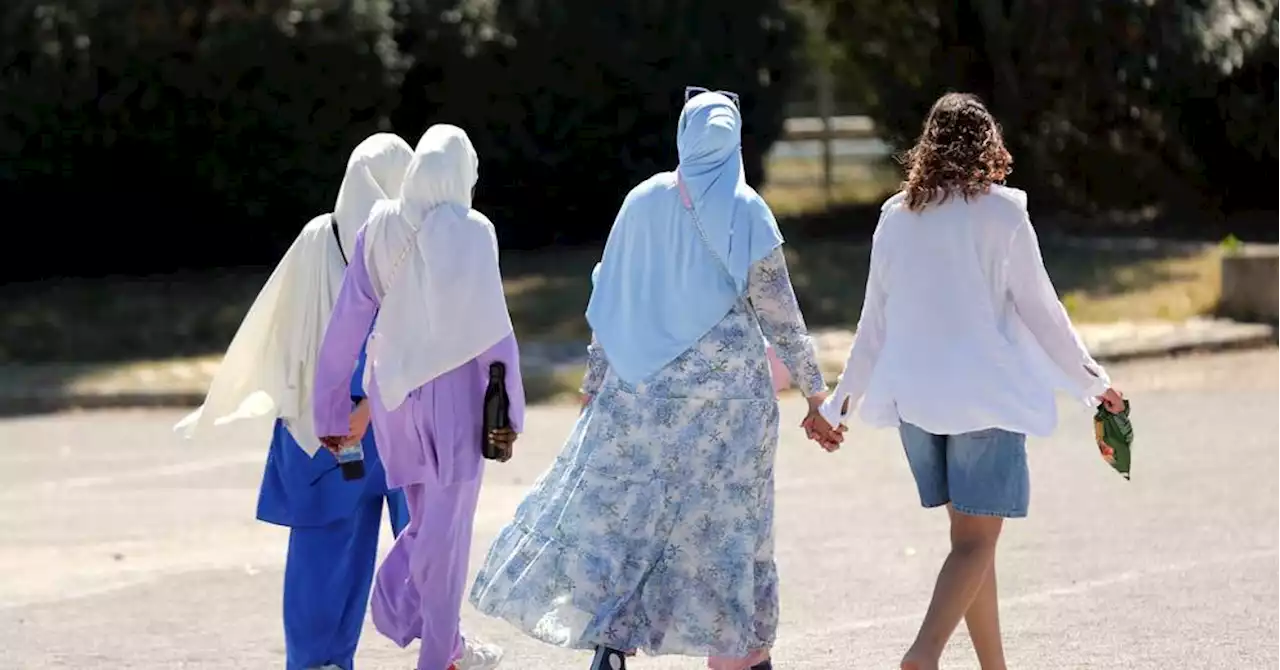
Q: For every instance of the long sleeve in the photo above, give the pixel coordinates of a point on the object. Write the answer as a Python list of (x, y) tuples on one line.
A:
[(344, 338), (868, 341), (775, 305), (597, 366), (1037, 304), (507, 352)]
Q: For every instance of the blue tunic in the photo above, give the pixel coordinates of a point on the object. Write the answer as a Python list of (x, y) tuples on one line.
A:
[(301, 491), (333, 544)]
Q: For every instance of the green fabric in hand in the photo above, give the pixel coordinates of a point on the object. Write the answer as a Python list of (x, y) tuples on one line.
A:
[(1114, 434)]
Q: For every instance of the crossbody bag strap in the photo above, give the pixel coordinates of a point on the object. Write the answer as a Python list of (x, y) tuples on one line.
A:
[(333, 225), (687, 201)]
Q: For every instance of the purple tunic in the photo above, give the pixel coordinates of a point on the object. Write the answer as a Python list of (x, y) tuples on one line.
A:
[(430, 447), (449, 405)]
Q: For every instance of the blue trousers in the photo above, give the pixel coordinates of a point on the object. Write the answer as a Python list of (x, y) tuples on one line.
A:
[(327, 578)]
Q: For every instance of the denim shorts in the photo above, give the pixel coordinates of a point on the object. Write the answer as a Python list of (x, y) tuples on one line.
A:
[(983, 473)]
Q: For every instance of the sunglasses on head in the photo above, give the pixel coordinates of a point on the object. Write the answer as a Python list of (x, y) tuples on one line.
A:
[(692, 91)]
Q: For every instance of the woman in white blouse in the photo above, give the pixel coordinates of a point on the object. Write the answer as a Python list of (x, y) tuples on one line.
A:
[(961, 345)]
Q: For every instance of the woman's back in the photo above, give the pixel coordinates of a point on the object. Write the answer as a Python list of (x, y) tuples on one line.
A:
[(653, 529), (952, 340), (961, 344), (668, 287), (946, 263), (961, 328)]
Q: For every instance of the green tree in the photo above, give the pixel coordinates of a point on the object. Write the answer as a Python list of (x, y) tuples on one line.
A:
[(223, 122), (572, 102), (1106, 104), (1229, 122)]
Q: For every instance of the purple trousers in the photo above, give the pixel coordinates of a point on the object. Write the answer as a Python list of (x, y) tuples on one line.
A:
[(419, 588)]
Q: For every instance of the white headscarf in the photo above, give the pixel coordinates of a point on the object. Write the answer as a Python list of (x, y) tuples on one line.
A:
[(269, 369), (433, 262)]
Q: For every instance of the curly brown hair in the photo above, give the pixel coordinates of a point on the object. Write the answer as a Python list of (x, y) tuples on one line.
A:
[(960, 150)]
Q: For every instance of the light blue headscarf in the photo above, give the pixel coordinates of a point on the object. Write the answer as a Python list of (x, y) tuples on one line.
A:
[(662, 284)]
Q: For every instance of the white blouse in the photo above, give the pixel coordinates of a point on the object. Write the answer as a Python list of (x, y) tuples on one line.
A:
[(961, 328)]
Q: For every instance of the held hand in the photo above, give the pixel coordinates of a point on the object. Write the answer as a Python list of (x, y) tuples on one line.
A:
[(333, 442), (815, 401), (819, 430), (504, 439), (1113, 400), (358, 424)]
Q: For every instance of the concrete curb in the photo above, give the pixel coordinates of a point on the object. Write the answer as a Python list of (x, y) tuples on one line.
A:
[(541, 386), (549, 384), (1132, 244), (53, 401), (1262, 336)]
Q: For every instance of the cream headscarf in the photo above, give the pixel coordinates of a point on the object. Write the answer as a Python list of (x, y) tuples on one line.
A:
[(433, 263), (269, 369)]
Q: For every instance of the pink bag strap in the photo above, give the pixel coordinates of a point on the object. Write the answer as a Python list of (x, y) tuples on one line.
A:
[(684, 192), (697, 223)]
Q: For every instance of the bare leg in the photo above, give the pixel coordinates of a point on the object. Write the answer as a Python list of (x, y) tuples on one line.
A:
[(973, 548), (983, 622)]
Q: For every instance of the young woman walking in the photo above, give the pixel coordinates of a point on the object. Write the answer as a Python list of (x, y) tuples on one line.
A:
[(961, 345)]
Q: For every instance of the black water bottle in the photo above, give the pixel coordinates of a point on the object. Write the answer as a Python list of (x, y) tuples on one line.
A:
[(496, 408)]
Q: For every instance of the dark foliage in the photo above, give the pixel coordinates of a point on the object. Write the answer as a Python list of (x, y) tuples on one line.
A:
[(1108, 106)]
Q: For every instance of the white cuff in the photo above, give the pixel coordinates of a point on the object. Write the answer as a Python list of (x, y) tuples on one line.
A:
[(1098, 384), (830, 408)]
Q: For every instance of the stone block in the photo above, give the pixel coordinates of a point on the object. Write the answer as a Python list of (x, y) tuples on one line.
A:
[(1250, 276)]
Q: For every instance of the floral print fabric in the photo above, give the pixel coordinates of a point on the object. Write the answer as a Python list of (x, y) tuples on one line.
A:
[(653, 528)]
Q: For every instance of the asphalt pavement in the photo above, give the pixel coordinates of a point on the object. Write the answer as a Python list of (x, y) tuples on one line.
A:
[(121, 546)]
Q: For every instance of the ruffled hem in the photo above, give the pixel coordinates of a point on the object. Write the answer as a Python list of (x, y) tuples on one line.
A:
[(575, 600)]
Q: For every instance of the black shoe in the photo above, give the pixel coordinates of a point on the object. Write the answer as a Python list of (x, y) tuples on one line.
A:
[(610, 659), (766, 664)]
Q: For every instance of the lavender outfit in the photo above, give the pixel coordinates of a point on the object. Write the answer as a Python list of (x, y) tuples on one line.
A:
[(430, 447)]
